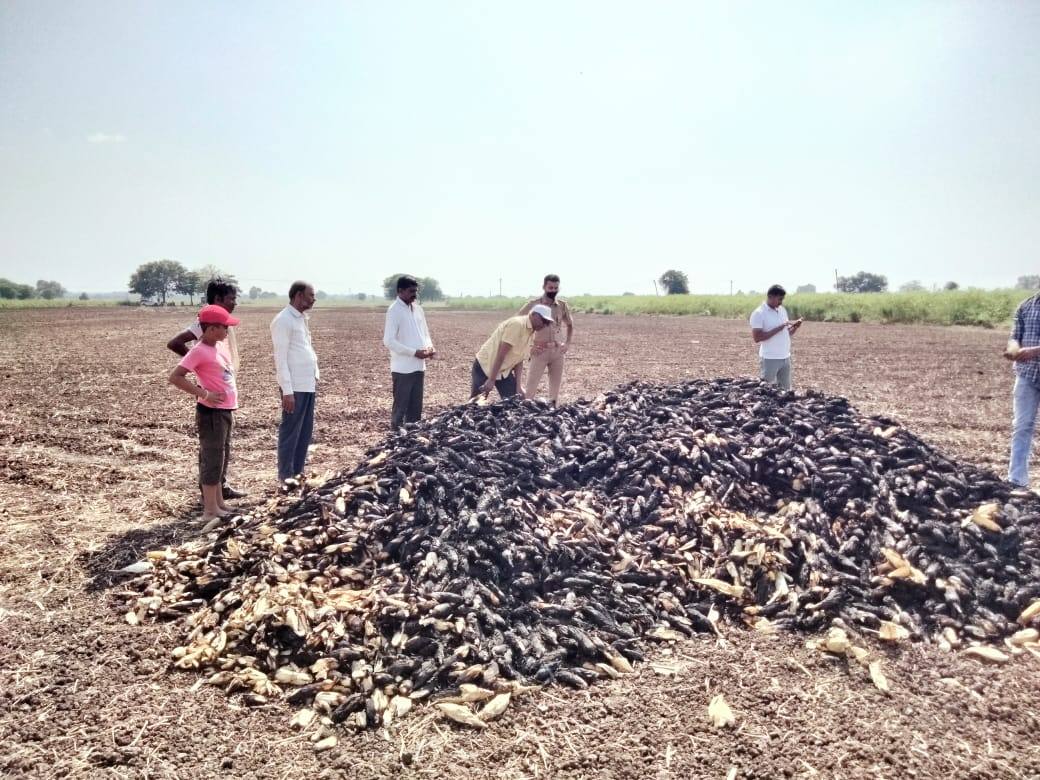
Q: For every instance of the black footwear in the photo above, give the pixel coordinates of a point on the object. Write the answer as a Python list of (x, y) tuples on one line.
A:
[(229, 492)]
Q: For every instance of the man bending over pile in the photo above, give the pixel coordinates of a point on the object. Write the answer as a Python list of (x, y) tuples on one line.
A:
[(500, 362)]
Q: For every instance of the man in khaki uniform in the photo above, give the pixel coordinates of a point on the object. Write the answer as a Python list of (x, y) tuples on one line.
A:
[(549, 345), (500, 362)]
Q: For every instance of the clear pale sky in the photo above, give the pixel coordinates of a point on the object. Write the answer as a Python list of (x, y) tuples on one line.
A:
[(608, 142)]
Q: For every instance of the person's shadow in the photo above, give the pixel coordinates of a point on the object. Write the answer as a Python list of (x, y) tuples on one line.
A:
[(123, 549)]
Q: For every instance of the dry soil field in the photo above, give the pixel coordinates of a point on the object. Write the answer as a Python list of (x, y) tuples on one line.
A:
[(97, 465)]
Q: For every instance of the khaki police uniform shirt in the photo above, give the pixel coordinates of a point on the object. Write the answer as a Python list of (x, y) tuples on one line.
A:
[(518, 334)]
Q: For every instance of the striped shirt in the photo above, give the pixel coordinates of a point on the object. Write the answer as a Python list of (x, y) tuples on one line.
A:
[(1027, 333)]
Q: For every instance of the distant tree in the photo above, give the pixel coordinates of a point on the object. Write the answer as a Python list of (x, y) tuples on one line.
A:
[(862, 282), (675, 282), (806, 288), (267, 295), (156, 279), (628, 293), (12, 290), (1031, 282), (189, 283), (321, 295), (49, 290), (361, 296), (951, 286), (912, 286), (210, 271), (84, 297), (430, 289), (254, 292)]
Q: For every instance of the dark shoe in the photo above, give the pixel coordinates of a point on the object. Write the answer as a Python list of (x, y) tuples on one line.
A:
[(230, 492)]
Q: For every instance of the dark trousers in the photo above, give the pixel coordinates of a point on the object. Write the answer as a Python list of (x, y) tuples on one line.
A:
[(408, 393), (214, 427), (294, 436), (506, 387)]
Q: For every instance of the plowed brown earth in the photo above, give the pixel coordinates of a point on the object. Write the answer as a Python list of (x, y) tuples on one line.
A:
[(97, 465)]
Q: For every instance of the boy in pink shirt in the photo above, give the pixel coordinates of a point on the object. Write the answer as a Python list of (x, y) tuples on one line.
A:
[(217, 397)]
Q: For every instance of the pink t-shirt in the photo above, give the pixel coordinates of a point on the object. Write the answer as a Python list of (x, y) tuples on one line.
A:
[(212, 369)]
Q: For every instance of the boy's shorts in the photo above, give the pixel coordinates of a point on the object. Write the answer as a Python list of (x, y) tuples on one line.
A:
[(214, 442)]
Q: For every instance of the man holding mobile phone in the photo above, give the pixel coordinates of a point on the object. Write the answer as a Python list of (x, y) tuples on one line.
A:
[(771, 329)]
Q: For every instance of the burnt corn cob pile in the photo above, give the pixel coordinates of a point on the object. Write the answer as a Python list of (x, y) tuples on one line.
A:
[(494, 547)]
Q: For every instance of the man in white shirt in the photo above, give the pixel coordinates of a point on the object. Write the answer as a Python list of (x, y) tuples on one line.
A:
[(772, 330), (296, 365), (407, 337)]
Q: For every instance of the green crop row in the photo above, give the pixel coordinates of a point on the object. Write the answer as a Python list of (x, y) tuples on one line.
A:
[(986, 308)]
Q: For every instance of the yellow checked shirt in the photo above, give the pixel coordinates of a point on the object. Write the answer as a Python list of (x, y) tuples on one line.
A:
[(518, 334)]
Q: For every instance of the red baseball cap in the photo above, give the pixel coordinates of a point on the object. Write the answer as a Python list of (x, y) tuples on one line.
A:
[(216, 315)]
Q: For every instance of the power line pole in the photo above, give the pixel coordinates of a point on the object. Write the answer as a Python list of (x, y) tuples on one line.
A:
[(730, 286), (656, 291), (500, 287)]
